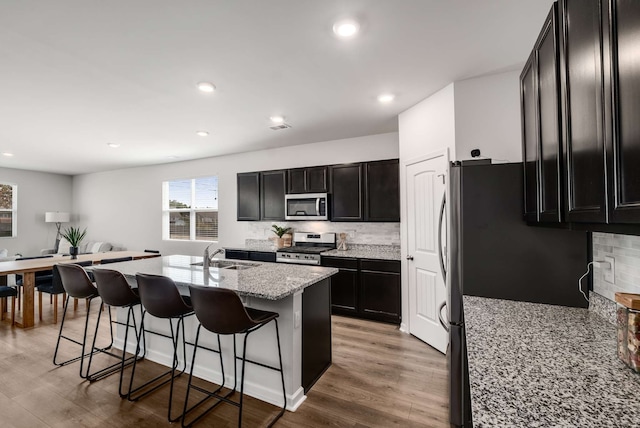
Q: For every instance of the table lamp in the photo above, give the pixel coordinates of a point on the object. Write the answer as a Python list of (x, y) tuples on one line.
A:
[(58, 218)]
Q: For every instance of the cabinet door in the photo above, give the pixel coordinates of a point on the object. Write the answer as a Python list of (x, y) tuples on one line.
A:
[(380, 295), (528, 96), (346, 192), (249, 196), (344, 285), (272, 190), (316, 179), (382, 183), (624, 147), (344, 292), (296, 181), (549, 146), (581, 89)]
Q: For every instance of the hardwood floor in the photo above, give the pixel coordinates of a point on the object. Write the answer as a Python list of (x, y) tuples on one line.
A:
[(379, 378)]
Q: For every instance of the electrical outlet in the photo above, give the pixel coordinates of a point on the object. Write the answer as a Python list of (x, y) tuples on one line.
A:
[(296, 319), (610, 273)]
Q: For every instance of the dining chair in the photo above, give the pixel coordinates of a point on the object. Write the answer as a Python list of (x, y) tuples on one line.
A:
[(116, 260), (5, 293)]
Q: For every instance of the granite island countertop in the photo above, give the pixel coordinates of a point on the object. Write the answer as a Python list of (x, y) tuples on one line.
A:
[(534, 365), (271, 281)]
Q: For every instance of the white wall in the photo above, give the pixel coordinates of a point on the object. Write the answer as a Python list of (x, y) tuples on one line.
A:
[(38, 192), (428, 126), (487, 117), (124, 206)]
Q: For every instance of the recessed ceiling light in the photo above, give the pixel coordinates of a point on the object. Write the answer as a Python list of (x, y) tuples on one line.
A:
[(7, 154), (346, 28), (276, 119), (386, 98), (202, 133), (113, 145), (206, 87)]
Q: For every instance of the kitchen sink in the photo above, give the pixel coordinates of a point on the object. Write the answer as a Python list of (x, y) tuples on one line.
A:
[(227, 264)]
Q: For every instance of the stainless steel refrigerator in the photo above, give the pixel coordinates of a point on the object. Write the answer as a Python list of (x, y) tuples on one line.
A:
[(494, 253)]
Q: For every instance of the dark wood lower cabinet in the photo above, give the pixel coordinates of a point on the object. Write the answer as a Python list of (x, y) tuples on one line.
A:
[(259, 256), (366, 288), (316, 332)]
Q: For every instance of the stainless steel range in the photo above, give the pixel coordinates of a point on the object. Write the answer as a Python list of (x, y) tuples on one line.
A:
[(306, 248)]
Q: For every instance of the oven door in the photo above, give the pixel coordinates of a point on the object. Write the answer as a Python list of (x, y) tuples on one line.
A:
[(310, 206)]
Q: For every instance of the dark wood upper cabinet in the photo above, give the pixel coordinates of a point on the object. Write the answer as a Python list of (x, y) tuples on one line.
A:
[(541, 127), (272, 190), (346, 192), (528, 97), (308, 180), (549, 119), (249, 196), (582, 107), (622, 40), (382, 190)]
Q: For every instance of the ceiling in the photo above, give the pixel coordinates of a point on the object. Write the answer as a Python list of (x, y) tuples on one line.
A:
[(76, 75)]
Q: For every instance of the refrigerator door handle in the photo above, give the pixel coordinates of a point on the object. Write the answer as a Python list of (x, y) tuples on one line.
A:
[(442, 322), (440, 224)]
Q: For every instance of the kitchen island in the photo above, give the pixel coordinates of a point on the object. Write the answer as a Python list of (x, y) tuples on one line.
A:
[(300, 294), (546, 366)]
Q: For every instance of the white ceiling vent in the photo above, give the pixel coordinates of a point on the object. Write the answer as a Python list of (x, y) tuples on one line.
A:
[(279, 126)]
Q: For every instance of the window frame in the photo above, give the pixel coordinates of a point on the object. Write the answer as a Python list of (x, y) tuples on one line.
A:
[(166, 211), (13, 210)]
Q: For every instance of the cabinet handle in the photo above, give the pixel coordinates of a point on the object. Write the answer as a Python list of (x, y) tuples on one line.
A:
[(410, 258)]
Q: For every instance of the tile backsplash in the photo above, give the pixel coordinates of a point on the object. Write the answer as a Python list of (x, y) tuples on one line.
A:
[(625, 249), (357, 233)]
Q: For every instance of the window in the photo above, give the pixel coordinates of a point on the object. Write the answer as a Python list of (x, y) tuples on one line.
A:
[(8, 206), (190, 209)]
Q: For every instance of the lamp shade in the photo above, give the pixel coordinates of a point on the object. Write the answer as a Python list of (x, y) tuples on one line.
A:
[(56, 217)]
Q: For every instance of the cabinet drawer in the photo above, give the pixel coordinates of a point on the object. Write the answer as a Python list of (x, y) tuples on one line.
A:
[(236, 254), (262, 256), (392, 266), (339, 262)]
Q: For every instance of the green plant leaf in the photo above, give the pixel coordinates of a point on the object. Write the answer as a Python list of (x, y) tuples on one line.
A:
[(73, 235)]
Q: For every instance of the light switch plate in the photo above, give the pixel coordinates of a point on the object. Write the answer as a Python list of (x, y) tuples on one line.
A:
[(610, 273)]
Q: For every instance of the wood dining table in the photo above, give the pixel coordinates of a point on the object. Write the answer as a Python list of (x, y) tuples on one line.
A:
[(28, 269)]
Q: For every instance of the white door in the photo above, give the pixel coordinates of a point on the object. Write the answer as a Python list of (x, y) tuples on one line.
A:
[(427, 182)]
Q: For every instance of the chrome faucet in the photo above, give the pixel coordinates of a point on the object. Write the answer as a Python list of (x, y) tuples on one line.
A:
[(207, 258)]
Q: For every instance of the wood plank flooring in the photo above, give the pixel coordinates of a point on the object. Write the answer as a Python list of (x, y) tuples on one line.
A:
[(380, 377)]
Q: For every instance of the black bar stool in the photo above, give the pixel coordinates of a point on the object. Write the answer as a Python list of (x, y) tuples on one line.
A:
[(115, 292), (77, 285), (160, 297), (221, 311)]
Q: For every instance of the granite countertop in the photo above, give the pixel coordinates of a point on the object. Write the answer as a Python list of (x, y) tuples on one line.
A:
[(271, 281), (534, 365), (361, 251)]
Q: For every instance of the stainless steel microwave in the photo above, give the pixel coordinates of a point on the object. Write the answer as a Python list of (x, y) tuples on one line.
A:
[(306, 206)]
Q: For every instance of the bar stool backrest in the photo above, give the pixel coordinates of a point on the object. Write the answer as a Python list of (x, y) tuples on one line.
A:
[(220, 310), (56, 280), (76, 282), (114, 288), (160, 296)]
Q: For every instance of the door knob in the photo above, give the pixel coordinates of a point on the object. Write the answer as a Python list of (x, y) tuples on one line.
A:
[(409, 258)]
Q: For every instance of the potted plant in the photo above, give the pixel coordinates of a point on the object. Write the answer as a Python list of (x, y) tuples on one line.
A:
[(281, 232), (74, 236)]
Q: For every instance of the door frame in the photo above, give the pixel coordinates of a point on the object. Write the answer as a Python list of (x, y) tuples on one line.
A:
[(404, 226)]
